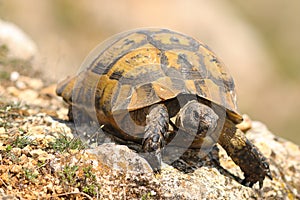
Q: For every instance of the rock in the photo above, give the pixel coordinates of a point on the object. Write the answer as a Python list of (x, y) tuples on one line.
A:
[(13, 91), (16, 151), (28, 95), (20, 85), (16, 169), (209, 181), (49, 91), (2, 130), (4, 196), (284, 159), (32, 83), (40, 155), (18, 43), (120, 157)]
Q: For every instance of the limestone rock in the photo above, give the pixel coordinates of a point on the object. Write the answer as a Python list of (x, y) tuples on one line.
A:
[(209, 181), (120, 157), (18, 43)]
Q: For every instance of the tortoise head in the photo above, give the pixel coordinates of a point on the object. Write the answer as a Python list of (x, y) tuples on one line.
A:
[(197, 119)]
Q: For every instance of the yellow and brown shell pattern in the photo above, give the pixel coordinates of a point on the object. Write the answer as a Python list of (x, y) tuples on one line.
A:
[(137, 69)]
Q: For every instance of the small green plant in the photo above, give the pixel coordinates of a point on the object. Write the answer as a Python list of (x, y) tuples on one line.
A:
[(15, 142), (30, 175), (82, 178), (146, 196), (41, 164), (68, 175), (4, 75), (22, 141), (18, 142), (9, 112), (64, 143), (9, 64), (89, 184), (11, 109), (8, 148), (3, 52), (90, 189), (21, 130), (88, 174)]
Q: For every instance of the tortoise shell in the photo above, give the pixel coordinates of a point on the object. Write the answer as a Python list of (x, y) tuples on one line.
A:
[(134, 83), (139, 68)]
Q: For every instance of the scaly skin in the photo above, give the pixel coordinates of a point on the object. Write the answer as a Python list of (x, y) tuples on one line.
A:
[(244, 154), (155, 135)]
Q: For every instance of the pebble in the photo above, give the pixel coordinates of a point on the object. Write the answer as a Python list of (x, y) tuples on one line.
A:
[(35, 84), (2, 130), (16, 151), (14, 76), (16, 168), (152, 193), (32, 83), (40, 155), (28, 95), (26, 150), (49, 91), (20, 85), (23, 159), (13, 91)]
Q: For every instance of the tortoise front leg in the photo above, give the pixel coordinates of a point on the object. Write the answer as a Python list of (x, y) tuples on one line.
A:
[(155, 134), (244, 154)]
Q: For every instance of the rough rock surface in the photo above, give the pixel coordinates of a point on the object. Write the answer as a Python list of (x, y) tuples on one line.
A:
[(120, 157), (211, 182)]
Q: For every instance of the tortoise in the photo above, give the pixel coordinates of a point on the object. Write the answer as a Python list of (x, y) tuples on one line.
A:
[(149, 85)]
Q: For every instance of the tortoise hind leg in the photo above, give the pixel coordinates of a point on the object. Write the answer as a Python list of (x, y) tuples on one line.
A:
[(155, 133), (244, 154)]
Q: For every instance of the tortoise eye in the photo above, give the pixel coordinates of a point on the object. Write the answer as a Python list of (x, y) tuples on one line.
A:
[(196, 115)]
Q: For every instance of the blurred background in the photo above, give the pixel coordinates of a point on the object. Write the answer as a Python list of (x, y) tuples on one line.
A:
[(258, 41)]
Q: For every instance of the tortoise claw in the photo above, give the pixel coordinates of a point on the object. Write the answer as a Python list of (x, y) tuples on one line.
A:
[(249, 181), (154, 160), (152, 152), (250, 184), (269, 175), (260, 184)]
